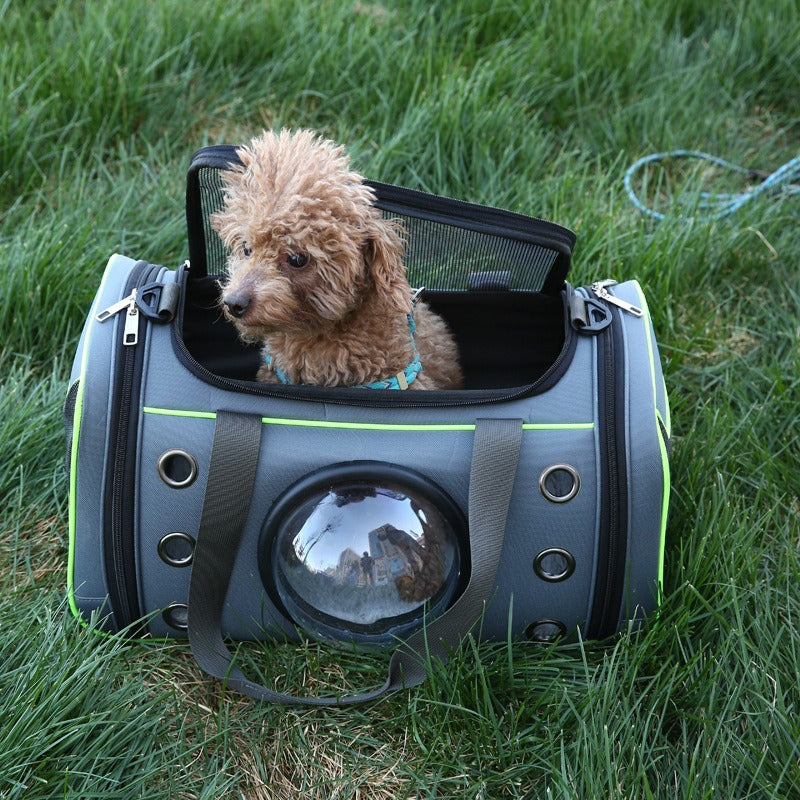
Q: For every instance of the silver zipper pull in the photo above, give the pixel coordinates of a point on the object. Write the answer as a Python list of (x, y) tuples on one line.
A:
[(121, 305), (131, 334), (600, 289), (128, 305)]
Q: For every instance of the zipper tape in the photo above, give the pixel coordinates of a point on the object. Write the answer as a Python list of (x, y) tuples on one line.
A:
[(118, 494)]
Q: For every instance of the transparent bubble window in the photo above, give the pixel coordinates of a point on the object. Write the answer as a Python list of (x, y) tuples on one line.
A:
[(361, 551)]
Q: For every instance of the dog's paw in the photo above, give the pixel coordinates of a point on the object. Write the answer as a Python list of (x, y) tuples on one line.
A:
[(266, 375)]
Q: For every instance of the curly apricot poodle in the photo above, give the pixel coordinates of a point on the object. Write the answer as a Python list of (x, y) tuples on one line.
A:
[(316, 274)]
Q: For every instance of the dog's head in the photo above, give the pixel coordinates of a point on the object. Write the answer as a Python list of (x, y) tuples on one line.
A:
[(307, 245)]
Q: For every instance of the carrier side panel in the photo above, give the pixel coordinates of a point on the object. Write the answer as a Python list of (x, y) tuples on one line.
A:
[(647, 482), (86, 579), (289, 452)]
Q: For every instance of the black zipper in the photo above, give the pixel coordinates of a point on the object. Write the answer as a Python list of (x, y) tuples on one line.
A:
[(119, 547), (612, 549)]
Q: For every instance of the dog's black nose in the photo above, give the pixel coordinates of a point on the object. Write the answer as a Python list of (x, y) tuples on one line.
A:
[(236, 303)]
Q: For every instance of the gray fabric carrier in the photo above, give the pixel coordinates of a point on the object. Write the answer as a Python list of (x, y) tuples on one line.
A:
[(553, 459)]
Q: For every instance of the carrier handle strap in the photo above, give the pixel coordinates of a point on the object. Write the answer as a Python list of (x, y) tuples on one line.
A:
[(231, 477)]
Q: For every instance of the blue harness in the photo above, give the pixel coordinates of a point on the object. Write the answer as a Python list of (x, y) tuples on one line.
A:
[(400, 381)]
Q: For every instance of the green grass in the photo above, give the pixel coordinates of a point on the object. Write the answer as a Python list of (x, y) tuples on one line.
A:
[(534, 106)]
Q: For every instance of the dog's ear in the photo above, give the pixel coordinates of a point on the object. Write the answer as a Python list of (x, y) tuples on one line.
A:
[(383, 253)]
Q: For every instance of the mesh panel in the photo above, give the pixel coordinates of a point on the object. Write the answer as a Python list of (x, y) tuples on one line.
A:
[(450, 245), (211, 199), (440, 256)]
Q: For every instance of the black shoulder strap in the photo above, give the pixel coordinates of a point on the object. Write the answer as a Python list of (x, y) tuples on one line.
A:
[(234, 460)]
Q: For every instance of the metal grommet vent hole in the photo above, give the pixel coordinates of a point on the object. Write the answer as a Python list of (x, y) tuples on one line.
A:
[(554, 564), (177, 468), (176, 549), (176, 615), (546, 630), (560, 483)]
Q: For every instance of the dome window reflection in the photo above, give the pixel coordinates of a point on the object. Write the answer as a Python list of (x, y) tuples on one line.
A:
[(359, 551)]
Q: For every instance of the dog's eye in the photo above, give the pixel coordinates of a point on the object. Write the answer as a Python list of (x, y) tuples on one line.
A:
[(297, 260), (247, 252)]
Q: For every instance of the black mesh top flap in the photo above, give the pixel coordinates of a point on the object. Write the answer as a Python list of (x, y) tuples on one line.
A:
[(451, 244)]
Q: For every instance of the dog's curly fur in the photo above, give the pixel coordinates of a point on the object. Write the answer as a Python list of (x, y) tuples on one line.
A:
[(316, 273)]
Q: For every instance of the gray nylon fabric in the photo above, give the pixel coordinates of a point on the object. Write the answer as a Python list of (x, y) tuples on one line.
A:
[(234, 459)]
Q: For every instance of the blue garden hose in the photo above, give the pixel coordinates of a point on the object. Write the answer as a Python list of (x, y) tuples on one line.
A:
[(720, 205)]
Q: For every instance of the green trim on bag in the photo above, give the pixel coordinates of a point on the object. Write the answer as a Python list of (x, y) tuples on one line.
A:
[(73, 471), (368, 426), (661, 443), (664, 509), (76, 430)]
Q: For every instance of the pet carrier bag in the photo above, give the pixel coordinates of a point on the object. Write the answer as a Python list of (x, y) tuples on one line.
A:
[(531, 503)]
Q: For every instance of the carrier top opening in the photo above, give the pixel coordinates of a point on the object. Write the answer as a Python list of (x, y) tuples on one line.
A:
[(505, 339), (496, 276)]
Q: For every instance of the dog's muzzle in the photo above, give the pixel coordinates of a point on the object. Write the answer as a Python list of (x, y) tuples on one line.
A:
[(236, 303)]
